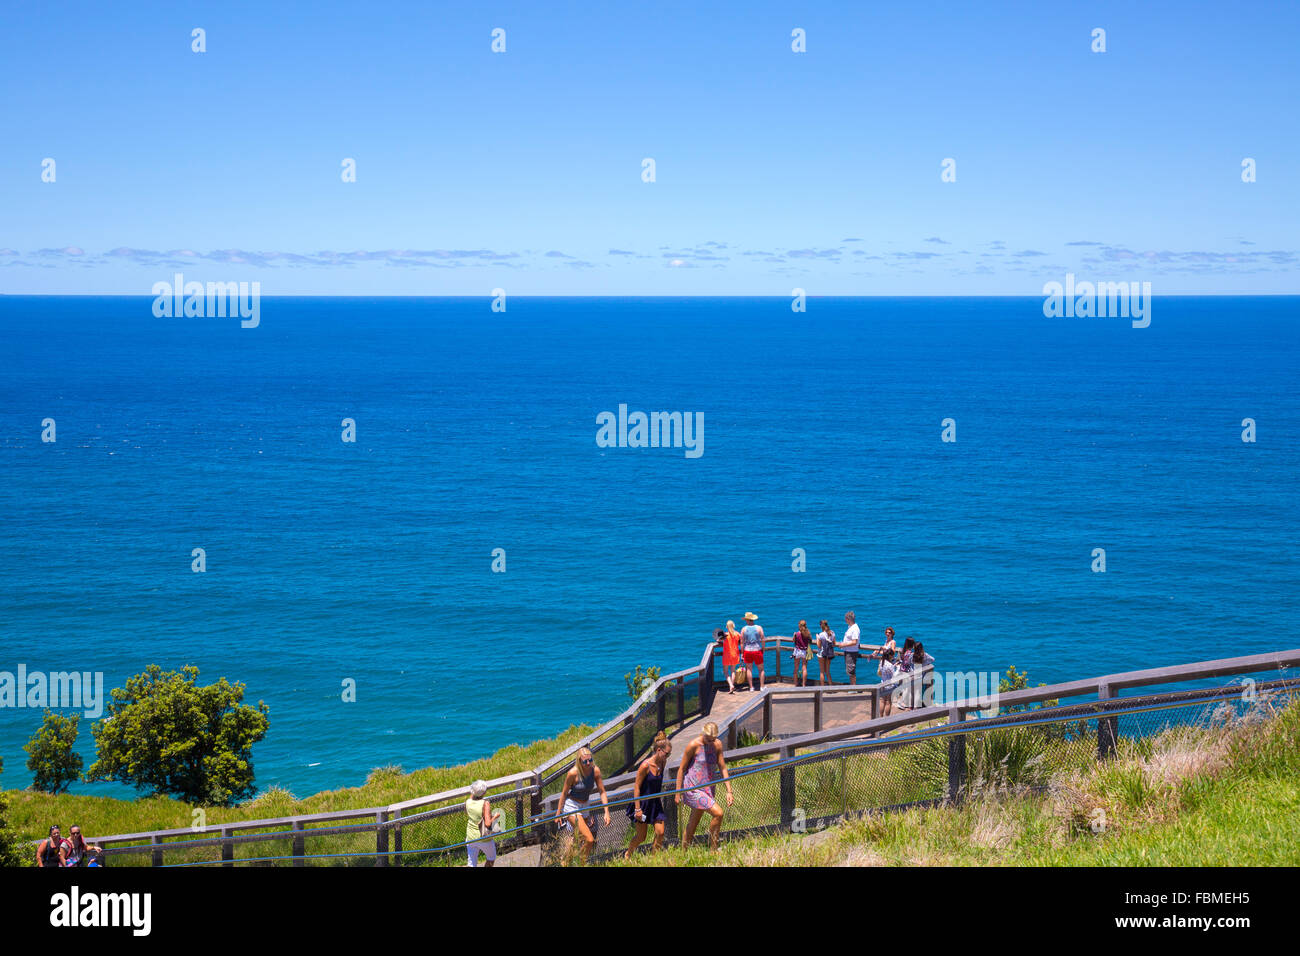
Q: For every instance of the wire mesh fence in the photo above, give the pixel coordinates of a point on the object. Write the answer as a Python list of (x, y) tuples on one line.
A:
[(1025, 749), (618, 750)]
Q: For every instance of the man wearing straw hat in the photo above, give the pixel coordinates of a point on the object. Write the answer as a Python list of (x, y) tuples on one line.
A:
[(751, 644)]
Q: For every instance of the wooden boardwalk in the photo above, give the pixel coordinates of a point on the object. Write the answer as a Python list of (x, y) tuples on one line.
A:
[(787, 721), (724, 706)]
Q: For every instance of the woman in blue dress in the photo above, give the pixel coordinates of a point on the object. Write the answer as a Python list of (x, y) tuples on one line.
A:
[(646, 809)]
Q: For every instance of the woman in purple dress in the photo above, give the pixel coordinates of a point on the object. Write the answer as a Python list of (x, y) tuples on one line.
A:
[(699, 770)]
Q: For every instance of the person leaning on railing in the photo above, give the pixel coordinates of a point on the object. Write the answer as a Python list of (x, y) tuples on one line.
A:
[(914, 661), (905, 694), (905, 659), (74, 851), (889, 674)]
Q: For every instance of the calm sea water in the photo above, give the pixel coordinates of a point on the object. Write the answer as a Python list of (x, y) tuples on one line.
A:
[(476, 430)]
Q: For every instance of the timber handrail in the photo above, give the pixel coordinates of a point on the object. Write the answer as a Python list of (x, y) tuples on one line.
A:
[(529, 783), (1103, 687), (525, 781)]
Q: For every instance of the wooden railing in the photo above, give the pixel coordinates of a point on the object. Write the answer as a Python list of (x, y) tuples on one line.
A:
[(1101, 688), (667, 700), (528, 790)]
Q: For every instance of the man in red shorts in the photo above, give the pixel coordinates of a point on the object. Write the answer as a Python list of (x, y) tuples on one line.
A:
[(751, 648)]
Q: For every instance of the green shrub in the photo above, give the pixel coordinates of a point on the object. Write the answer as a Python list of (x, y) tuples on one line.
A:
[(819, 788), (1274, 748), (381, 775), (1007, 758), (51, 759), (10, 852), (1019, 680), (642, 679), (165, 734)]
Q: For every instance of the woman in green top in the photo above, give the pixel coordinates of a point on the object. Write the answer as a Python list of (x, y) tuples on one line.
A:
[(479, 820)]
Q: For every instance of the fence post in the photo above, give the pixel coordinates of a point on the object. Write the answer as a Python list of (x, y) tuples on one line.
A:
[(956, 757), (681, 703), (767, 714), (1107, 727), (927, 689), (817, 710), (629, 752), (227, 848), (298, 844), (535, 798), (732, 735), (519, 816), (706, 687), (787, 789), (156, 858), (381, 838), (778, 661), (397, 841), (875, 704), (661, 717)]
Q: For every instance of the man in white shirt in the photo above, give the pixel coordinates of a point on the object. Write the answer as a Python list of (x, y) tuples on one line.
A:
[(850, 647)]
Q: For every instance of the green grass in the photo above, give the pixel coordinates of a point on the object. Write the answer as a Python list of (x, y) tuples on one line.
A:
[(30, 814), (1208, 796)]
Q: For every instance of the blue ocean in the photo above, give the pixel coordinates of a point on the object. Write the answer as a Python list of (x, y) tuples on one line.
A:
[(371, 561)]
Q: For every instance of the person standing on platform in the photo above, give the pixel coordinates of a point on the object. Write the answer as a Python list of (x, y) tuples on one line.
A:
[(850, 646), (825, 652), (751, 643)]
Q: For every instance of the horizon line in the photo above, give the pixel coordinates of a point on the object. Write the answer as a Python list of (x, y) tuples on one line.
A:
[(638, 295)]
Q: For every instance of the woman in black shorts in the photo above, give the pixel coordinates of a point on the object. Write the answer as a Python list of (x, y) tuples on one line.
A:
[(646, 810)]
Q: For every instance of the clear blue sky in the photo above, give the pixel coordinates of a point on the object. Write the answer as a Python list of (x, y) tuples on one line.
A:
[(523, 170)]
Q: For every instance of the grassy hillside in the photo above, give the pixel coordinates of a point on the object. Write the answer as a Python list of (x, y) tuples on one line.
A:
[(1187, 797), (31, 814)]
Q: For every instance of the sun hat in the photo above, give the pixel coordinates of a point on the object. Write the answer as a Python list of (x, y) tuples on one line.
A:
[(751, 616)]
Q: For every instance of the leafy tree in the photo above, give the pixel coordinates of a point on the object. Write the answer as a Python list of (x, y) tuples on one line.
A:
[(165, 733), (638, 682), (10, 852), (51, 759), (1019, 680)]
